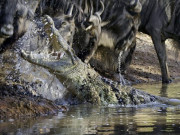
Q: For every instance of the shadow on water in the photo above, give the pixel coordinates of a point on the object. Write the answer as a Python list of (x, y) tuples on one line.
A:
[(106, 120)]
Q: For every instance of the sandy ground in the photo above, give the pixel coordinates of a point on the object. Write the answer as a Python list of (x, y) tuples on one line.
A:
[(145, 65)]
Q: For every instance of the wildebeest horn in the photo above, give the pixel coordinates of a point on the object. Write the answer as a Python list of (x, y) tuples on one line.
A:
[(101, 10), (95, 18), (70, 11), (86, 7), (92, 8)]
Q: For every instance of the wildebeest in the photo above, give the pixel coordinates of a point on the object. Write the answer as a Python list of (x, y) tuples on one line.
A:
[(7, 13), (119, 24), (15, 16), (161, 20), (107, 24)]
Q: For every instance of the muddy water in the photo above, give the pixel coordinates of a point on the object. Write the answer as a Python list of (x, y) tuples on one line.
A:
[(171, 90), (109, 120)]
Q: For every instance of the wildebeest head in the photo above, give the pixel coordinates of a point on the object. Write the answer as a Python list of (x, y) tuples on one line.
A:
[(134, 5), (14, 13), (15, 17), (22, 18), (66, 25), (7, 13), (94, 20)]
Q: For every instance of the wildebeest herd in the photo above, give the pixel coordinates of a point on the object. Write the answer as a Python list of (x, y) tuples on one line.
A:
[(105, 27)]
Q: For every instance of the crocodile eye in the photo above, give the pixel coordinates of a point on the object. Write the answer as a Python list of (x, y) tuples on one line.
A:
[(63, 24)]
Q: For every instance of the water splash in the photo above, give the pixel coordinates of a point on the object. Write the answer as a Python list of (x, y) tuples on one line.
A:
[(121, 78)]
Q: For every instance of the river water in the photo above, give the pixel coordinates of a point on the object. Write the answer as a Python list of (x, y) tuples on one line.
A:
[(106, 120)]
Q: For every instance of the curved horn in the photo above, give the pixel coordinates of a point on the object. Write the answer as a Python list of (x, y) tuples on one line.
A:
[(101, 10), (70, 11), (86, 7), (92, 8)]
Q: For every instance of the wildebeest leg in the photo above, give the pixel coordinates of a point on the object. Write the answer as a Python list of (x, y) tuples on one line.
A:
[(93, 48), (128, 58), (161, 53)]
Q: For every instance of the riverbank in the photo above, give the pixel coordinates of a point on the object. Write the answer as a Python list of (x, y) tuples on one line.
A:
[(16, 102), (145, 65)]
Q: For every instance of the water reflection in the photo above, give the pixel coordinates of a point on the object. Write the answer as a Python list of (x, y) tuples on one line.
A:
[(171, 90), (105, 120), (163, 91), (89, 120)]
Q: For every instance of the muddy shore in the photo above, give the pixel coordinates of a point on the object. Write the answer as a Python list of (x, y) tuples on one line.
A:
[(145, 65)]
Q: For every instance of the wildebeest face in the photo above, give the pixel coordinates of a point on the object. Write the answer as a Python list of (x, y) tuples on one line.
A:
[(7, 13), (15, 18), (65, 25), (22, 19)]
